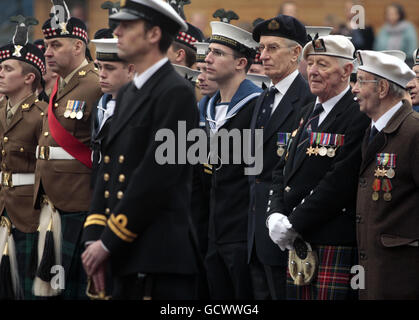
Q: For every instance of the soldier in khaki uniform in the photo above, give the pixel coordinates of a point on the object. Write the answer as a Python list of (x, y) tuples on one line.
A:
[(62, 186), (21, 113)]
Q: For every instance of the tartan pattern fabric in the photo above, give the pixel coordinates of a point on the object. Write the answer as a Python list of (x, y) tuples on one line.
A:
[(34, 59), (4, 54), (79, 32), (333, 278), (49, 32), (75, 277), (184, 37)]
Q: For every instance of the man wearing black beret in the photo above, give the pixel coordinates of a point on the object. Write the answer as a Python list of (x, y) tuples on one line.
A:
[(280, 42)]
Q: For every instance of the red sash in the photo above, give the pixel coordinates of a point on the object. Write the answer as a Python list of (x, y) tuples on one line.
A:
[(65, 139)]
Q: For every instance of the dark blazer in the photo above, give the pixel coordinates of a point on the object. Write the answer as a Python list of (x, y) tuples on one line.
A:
[(141, 209), (318, 194), (387, 229), (283, 119)]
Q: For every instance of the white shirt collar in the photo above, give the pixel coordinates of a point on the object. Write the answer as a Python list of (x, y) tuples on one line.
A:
[(329, 104), (285, 83), (385, 118), (141, 79)]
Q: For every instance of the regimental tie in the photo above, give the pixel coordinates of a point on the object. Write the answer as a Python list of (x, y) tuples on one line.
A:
[(311, 125), (266, 109), (373, 132), (9, 115)]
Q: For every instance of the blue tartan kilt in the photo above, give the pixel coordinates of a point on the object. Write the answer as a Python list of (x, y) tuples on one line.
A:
[(75, 277), (333, 279)]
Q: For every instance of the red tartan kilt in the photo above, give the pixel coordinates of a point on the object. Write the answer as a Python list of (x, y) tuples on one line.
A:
[(333, 279)]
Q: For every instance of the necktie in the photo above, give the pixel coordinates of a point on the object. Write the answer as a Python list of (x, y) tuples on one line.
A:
[(311, 126), (266, 108), (9, 115), (373, 132)]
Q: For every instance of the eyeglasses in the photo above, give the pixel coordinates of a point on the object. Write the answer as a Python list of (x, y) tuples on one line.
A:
[(218, 52), (361, 82)]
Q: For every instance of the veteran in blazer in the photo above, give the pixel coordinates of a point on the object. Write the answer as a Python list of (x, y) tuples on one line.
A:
[(146, 240), (282, 102), (388, 189), (21, 117), (63, 169), (313, 195)]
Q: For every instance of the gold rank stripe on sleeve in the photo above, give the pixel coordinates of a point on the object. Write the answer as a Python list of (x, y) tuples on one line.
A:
[(118, 226), (98, 219)]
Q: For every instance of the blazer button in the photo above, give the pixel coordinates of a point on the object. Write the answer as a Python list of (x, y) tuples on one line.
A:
[(21, 150), (46, 134), (119, 195), (121, 178), (107, 211), (106, 195), (3, 152), (106, 177), (121, 159), (56, 105), (287, 189), (5, 139), (106, 159)]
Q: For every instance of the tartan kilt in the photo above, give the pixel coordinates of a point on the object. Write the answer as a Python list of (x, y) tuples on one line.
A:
[(333, 278), (75, 277)]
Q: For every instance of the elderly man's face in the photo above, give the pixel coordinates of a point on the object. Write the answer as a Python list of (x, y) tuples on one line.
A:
[(413, 87), (367, 94), (325, 76)]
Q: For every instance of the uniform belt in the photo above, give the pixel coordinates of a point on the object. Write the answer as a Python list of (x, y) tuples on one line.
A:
[(52, 153), (16, 179)]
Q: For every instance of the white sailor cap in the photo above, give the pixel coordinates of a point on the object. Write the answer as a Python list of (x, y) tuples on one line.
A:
[(396, 53), (259, 79), (233, 37), (386, 66), (107, 49), (331, 45), (187, 73), (158, 12), (314, 31), (201, 51), (416, 57)]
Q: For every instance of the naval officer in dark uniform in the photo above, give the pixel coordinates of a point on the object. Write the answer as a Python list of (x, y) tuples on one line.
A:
[(141, 209)]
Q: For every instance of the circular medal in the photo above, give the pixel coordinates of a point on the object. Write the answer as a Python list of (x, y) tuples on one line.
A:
[(73, 115), (375, 196), (67, 113), (387, 196), (280, 151), (79, 115), (322, 151), (390, 173), (331, 152)]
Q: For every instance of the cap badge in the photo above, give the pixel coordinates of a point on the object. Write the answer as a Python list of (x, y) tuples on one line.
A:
[(273, 25), (360, 62), (17, 51), (319, 46), (63, 26)]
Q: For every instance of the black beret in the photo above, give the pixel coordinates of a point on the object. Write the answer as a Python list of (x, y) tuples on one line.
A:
[(73, 28), (281, 26), (189, 37)]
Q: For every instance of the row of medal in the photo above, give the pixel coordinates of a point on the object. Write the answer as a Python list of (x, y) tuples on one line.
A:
[(74, 109), (282, 142), (326, 144), (386, 162)]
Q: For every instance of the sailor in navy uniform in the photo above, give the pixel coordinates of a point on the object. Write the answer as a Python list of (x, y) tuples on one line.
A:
[(229, 57)]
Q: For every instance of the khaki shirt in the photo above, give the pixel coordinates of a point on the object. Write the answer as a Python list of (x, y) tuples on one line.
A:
[(67, 79)]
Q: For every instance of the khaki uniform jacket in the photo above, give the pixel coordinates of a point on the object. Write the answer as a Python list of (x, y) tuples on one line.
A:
[(388, 230), (18, 142), (67, 182)]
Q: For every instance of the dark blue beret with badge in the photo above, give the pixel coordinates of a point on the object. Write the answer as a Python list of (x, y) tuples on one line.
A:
[(281, 26)]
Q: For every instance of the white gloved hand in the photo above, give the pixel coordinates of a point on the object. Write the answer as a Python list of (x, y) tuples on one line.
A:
[(280, 231)]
